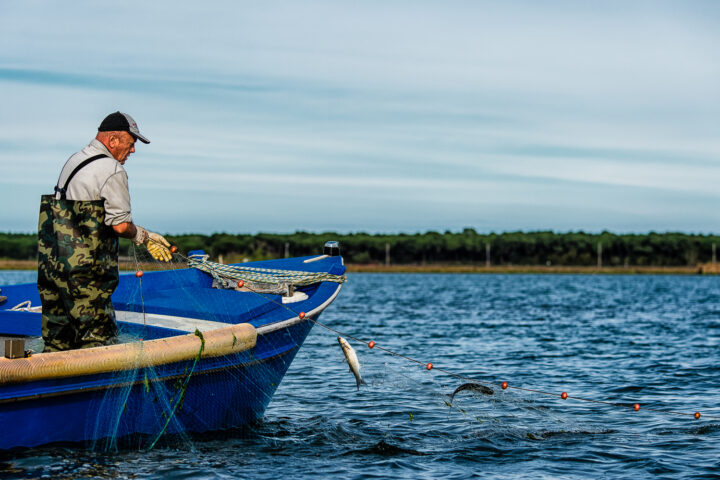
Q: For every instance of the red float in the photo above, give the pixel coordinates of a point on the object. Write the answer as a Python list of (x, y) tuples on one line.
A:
[(173, 249), (563, 395), (240, 283), (139, 274), (636, 407), (301, 315), (371, 344), (504, 385), (429, 366), (697, 415)]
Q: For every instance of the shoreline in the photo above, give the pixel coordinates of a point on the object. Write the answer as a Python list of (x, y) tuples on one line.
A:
[(707, 268), (524, 269)]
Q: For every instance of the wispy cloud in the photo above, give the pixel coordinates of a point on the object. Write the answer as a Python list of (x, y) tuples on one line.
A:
[(382, 116)]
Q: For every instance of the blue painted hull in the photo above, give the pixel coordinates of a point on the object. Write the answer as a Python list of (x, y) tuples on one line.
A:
[(219, 394), (141, 405)]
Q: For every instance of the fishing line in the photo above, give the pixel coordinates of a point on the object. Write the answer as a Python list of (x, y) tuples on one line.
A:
[(139, 274), (181, 394)]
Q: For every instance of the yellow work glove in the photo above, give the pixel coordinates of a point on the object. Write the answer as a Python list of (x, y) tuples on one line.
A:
[(156, 244), (158, 247)]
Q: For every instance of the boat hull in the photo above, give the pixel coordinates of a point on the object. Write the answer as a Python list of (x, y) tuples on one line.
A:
[(200, 359), (137, 407)]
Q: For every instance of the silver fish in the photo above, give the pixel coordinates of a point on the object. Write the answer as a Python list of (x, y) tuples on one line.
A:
[(352, 361)]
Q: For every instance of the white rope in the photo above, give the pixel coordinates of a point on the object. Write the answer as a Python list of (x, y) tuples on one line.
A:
[(263, 275), (26, 306)]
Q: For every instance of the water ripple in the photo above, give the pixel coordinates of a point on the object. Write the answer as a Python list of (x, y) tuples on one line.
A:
[(624, 339)]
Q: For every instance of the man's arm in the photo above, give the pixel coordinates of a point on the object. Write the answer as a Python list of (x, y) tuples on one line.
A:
[(117, 207), (125, 230)]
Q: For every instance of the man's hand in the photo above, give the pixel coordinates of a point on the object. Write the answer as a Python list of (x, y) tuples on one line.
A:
[(158, 247), (156, 243)]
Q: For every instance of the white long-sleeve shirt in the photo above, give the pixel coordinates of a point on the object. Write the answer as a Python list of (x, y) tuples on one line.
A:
[(102, 179)]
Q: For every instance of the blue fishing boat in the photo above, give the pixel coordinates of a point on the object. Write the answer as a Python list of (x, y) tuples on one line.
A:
[(203, 348)]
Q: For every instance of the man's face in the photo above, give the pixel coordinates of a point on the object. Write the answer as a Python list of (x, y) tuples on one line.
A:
[(122, 146)]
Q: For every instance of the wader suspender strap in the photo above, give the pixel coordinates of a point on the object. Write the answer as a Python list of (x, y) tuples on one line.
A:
[(63, 191)]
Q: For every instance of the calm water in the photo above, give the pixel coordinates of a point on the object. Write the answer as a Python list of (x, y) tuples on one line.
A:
[(648, 339)]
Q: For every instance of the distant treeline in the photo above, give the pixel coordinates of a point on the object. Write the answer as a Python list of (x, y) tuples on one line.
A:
[(466, 247)]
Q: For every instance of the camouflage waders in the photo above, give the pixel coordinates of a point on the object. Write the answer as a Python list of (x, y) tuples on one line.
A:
[(77, 274)]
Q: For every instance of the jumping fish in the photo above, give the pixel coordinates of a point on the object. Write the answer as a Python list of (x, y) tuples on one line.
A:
[(352, 360), (472, 386)]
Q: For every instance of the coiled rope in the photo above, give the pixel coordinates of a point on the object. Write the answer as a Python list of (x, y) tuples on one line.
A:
[(262, 275)]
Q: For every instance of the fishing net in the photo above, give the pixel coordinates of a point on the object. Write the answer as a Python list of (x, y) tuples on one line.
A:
[(180, 376)]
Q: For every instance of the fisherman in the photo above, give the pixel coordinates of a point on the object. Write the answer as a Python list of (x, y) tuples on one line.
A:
[(78, 234)]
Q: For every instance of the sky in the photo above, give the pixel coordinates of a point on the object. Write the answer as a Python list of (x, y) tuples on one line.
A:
[(374, 116)]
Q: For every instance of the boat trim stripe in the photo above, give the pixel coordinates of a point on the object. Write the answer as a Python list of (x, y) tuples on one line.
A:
[(172, 322)]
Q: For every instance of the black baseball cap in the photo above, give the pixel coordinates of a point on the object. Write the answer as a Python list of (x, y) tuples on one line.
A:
[(121, 122)]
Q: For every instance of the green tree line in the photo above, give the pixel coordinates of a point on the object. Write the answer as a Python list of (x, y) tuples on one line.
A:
[(466, 247)]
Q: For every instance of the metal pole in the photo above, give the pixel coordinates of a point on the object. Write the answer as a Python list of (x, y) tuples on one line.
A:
[(487, 254), (599, 255), (714, 258), (387, 254), (287, 250)]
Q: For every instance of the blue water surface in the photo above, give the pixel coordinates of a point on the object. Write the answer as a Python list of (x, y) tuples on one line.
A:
[(651, 340)]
